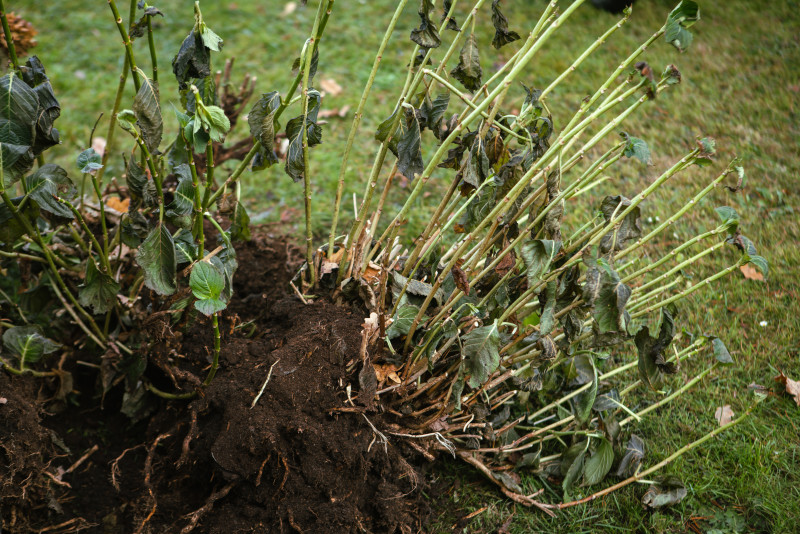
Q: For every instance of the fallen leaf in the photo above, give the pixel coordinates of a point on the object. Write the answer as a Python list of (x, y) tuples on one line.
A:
[(385, 371), (328, 267), (792, 387), (751, 273), (330, 86), (288, 9), (724, 415), (99, 145), (372, 273), (461, 280), (117, 204), (335, 112)]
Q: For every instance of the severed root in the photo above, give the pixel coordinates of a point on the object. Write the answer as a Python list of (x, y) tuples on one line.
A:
[(190, 435), (514, 496), (115, 466), (198, 514)]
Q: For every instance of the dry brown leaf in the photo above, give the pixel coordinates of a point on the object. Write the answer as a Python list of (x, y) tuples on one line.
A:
[(724, 415), (792, 387), (385, 371), (751, 273), (117, 204), (330, 86), (461, 280), (372, 274)]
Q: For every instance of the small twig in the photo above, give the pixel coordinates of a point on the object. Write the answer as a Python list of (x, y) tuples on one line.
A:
[(261, 391), (297, 291), (55, 479)]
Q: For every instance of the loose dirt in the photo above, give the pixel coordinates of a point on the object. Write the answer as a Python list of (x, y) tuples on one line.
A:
[(295, 461)]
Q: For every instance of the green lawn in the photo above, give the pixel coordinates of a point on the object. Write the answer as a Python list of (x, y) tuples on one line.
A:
[(741, 83)]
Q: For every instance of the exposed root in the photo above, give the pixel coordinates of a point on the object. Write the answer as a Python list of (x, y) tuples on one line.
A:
[(190, 435), (115, 466), (148, 470), (198, 514), (75, 524)]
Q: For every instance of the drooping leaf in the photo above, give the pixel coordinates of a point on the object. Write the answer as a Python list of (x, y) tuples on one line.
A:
[(140, 187), (537, 256), (185, 247), (548, 321), (607, 401), (572, 466), (147, 108), (585, 400), (295, 161), (636, 148), (502, 35), (18, 118), (728, 216), (409, 151), (99, 290), (599, 464), (433, 112), (182, 204), (401, 322), (477, 168), (193, 59), (48, 110), (48, 182), (427, 35), (652, 362), (156, 256), (211, 40), (469, 71), (451, 21), (631, 458), (679, 20), (608, 309), (240, 227), (227, 264), (261, 120), (10, 227), (312, 68), (481, 353), (415, 288), (27, 343), (626, 230), (666, 491), (385, 128)]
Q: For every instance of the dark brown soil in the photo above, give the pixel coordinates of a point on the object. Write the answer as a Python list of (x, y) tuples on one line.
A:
[(294, 462)]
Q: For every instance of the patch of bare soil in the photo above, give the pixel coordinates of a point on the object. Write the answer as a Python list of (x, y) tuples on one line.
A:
[(293, 461)]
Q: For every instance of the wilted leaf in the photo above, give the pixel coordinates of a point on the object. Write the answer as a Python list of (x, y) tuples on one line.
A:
[(572, 466), (481, 353), (193, 59), (48, 182), (156, 256), (469, 71), (666, 491), (724, 415), (48, 110), (721, 353), (636, 148), (427, 35), (632, 457), (99, 290), (584, 401), (18, 108), (628, 229), (608, 309), (261, 120), (502, 35), (652, 363), (295, 162), (401, 322), (599, 464), (537, 256), (27, 343), (140, 187), (409, 151), (147, 107)]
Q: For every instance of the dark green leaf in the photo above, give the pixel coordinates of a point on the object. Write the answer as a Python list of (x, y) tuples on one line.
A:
[(193, 60), (681, 18), (140, 187), (548, 320), (608, 309), (761, 263), (502, 35), (261, 120), (599, 464), (18, 118), (607, 401), (183, 202), (666, 491), (636, 148), (185, 247), (99, 290), (49, 109), (469, 71), (27, 343), (572, 464), (147, 108), (409, 152), (312, 69), (434, 111), (631, 458), (427, 35), (385, 128), (156, 256), (481, 353), (48, 182), (295, 162), (585, 400), (240, 227), (652, 362), (401, 322)]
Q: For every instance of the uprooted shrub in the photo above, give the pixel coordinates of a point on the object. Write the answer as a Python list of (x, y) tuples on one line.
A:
[(510, 331)]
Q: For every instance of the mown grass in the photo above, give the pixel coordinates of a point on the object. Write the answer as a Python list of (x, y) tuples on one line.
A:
[(741, 81)]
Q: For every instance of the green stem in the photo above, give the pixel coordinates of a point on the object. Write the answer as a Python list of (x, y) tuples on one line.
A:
[(12, 51), (215, 363), (152, 45), (126, 41)]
